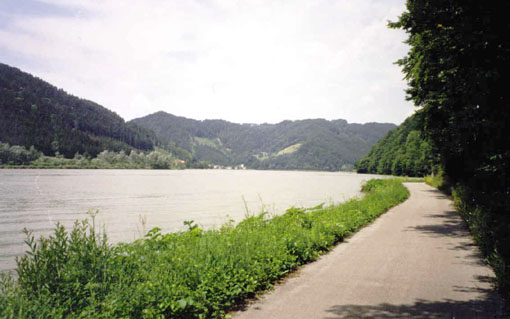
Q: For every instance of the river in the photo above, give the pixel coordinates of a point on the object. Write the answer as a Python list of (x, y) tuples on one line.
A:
[(131, 202)]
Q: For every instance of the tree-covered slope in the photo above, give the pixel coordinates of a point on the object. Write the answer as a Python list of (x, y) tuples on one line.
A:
[(315, 144), (33, 112), (403, 151)]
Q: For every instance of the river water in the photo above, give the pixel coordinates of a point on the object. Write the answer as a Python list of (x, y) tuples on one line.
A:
[(131, 202)]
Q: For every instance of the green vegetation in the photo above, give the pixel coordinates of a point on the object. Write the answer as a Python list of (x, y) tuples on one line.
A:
[(289, 150), (213, 143), (308, 144), (408, 179), (458, 70), (434, 181), (19, 157), (438, 181), (33, 112), (402, 152), (191, 274)]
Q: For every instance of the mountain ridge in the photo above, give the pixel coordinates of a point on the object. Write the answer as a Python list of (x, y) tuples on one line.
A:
[(323, 144), (35, 113)]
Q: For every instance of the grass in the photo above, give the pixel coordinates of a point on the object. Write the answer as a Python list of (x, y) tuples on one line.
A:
[(213, 143), (439, 181), (411, 179), (289, 150), (191, 274)]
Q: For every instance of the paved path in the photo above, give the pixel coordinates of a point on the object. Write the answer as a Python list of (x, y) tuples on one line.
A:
[(416, 261)]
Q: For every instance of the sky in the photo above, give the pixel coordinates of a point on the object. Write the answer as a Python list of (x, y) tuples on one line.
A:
[(260, 61)]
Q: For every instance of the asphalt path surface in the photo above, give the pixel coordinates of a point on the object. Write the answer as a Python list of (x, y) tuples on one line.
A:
[(416, 261)]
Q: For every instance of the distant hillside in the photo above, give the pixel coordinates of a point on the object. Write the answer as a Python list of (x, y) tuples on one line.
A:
[(307, 144), (403, 151), (33, 112)]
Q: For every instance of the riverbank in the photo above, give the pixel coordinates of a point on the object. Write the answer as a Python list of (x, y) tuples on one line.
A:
[(17, 156), (189, 274)]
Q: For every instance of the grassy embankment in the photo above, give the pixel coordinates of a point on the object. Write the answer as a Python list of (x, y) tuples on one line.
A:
[(192, 274)]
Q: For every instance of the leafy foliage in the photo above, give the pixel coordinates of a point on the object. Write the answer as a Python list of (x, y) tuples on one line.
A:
[(17, 155), (403, 151), (35, 113), (192, 274), (458, 70), (324, 145)]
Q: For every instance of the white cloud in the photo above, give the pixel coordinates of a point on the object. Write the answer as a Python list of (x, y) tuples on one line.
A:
[(243, 61)]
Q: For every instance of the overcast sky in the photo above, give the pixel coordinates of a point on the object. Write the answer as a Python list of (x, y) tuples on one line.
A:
[(242, 61)]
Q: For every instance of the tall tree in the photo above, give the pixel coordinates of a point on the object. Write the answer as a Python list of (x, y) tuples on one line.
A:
[(458, 70)]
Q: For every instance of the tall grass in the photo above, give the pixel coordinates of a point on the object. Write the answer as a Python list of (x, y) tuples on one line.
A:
[(439, 181), (191, 274)]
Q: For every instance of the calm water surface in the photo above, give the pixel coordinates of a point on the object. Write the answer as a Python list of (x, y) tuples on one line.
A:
[(131, 202)]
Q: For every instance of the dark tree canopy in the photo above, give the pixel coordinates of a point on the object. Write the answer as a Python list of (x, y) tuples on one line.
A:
[(458, 70)]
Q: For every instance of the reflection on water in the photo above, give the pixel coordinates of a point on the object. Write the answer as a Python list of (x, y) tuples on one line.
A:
[(38, 199)]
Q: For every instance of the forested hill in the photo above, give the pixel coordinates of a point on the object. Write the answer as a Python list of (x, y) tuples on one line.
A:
[(34, 112), (403, 151), (315, 144)]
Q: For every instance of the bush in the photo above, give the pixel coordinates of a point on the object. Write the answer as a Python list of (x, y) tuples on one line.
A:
[(17, 155)]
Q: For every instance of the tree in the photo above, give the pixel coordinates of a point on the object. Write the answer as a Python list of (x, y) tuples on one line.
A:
[(458, 70), (403, 151)]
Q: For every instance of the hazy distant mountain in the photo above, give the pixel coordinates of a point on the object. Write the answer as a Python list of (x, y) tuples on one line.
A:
[(34, 112), (315, 144)]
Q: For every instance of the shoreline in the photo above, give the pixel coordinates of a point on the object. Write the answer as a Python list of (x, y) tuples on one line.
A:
[(232, 262)]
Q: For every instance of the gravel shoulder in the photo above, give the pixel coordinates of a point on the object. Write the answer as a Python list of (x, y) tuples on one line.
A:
[(416, 261)]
